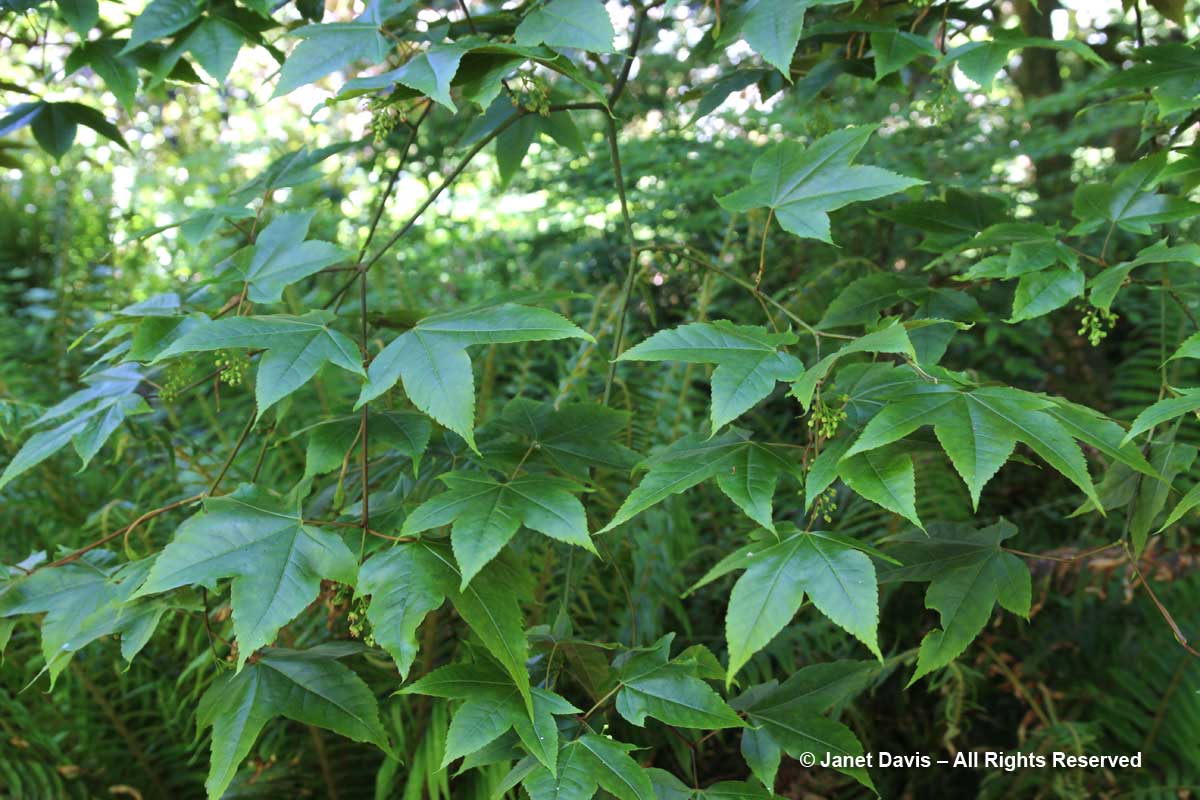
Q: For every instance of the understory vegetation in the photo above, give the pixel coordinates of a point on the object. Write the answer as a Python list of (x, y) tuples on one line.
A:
[(568, 399)]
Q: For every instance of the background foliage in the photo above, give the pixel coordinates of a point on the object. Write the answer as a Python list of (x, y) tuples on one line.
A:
[(560, 398)]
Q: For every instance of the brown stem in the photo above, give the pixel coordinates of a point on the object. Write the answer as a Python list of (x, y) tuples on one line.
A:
[(67, 559), (1166, 615)]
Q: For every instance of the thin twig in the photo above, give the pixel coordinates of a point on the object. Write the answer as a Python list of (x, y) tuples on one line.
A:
[(233, 454), (121, 532), (391, 184), (762, 249), (1166, 615), (1062, 559), (445, 184), (684, 252), (631, 269), (630, 55)]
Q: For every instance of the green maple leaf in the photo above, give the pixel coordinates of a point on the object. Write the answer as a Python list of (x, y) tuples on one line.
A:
[(979, 428), (1165, 410), (583, 24), (308, 686), (607, 762), (489, 605), (276, 562), (92, 414), (331, 46), (485, 514), (651, 685), (572, 437), (746, 471), (429, 72), (892, 338), (432, 360), (803, 184), (895, 49), (748, 361), (886, 477), (82, 602), (982, 60), (328, 442), (296, 349), (280, 256), (1130, 202), (789, 716), (969, 572), (1103, 288), (492, 705), (771, 28), (574, 779), (833, 570)]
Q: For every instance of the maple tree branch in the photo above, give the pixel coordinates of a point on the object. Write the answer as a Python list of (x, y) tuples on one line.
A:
[(122, 531), (631, 269), (1166, 615)]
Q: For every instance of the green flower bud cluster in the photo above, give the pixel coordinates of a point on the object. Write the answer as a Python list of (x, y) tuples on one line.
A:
[(1096, 323), (533, 94), (177, 378), (825, 419), (360, 626), (233, 365), (825, 504), (384, 118)]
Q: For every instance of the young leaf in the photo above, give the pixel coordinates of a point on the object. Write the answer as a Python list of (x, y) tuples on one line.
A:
[(215, 44), (276, 561), (488, 605), (802, 185), (575, 778), (896, 49), (1170, 458), (801, 699), (429, 72), (981, 60), (486, 513), (1187, 401), (81, 15), (862, 300), (772, 28), (82, 602), (1130, 202), (978, 430), (329, 442), (748, 361), (432, 360), (396, 615), (119, 72), (308, 686)]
